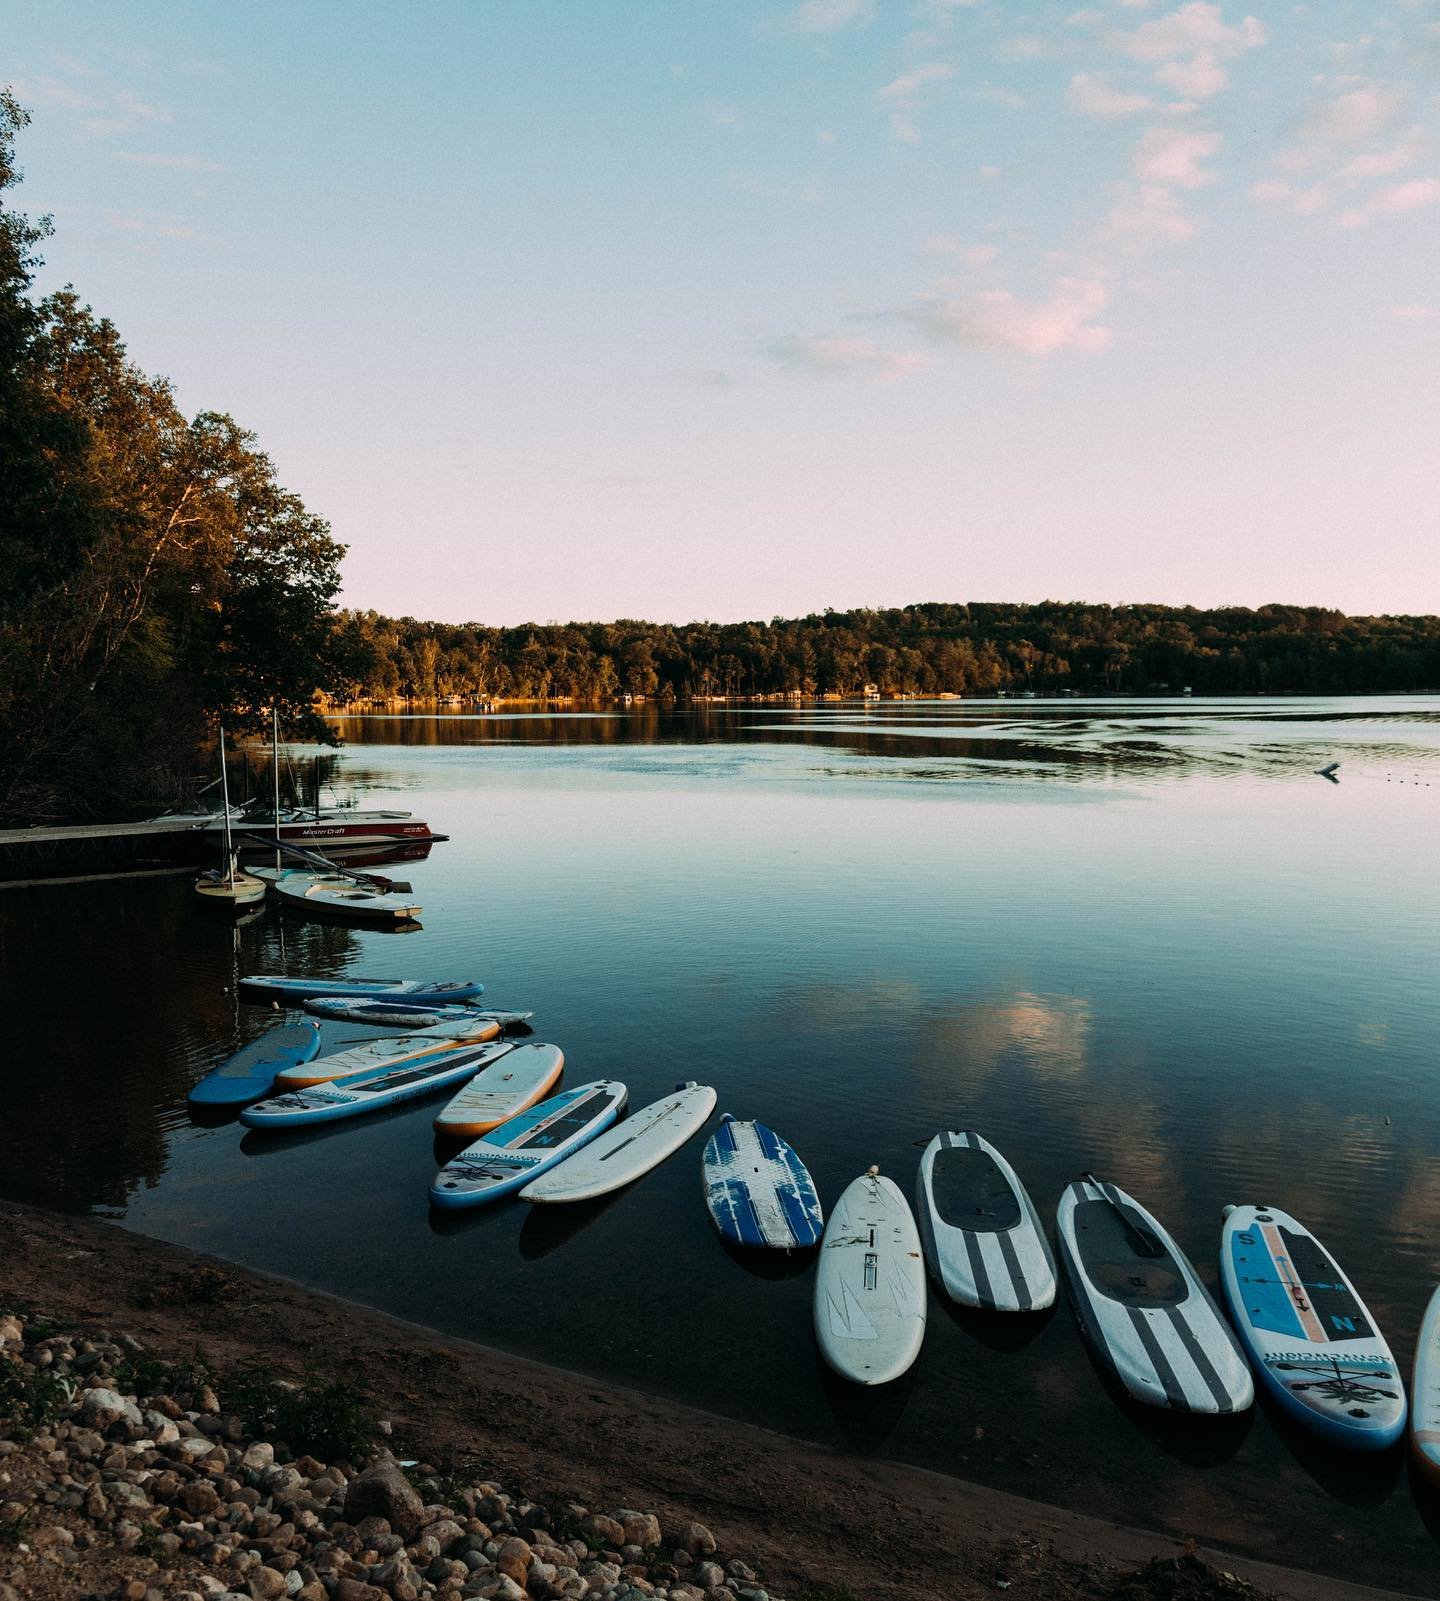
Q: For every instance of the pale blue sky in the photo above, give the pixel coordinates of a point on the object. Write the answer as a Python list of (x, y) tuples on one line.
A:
[(679, 309)]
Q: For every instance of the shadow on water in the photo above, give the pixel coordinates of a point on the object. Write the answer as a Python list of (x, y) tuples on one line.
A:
[(1360, 1479), (866, 1415), (547, 1228), (269, 1142), (1427, 1497), (1202, 1440), (765, 1264), (1000, 1331), (448, 1221)]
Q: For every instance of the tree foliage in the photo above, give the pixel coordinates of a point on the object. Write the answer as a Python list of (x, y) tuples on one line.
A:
[(154, 575), (936, 648)]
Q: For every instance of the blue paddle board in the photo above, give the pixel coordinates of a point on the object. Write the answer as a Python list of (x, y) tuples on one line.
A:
[(759, 1192), (1307, 1333), (250, 1073)]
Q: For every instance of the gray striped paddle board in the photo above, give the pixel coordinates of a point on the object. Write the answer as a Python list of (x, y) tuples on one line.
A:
[(1142, 1306), (983, 1239)]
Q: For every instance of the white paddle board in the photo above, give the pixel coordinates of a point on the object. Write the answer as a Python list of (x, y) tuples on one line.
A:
[(1425, 1394), (506, 1159), (527, 1074), (389, 1050), (1142, 1306), (869, 1303), (627, 1150), (983, 1239), (370, 1090), (1309, 1335)]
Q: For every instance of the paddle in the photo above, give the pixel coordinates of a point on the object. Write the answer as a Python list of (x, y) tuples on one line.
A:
[(1142, 1242)]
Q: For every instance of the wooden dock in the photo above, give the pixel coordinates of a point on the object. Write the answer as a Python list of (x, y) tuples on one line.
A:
[(65, 832), (28, 855)]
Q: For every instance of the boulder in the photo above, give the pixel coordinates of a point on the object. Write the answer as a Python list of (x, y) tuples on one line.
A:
[(102, 1408), (383, 1491)]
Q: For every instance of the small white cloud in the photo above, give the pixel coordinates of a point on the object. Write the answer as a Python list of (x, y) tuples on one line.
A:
[(824, 137), (1351, 117), (903, 131), (1150, 212), (830, 16), (1089, 95), (989, 174), (1202, 77), (1413, 312), (1188, 30), (1172, 157), (995, 319), (906, 89), (49, 91), (830, 356), (1394, 201), (1382, 163)]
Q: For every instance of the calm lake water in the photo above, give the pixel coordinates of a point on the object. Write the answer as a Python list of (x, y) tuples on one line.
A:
[(1138, 937)]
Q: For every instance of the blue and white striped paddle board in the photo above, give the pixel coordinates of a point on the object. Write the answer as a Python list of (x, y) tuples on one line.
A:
[(1308, 1334), (758, 1190), (287, 991)]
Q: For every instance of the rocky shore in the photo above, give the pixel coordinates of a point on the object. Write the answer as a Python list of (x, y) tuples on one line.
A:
[(167, 1445)]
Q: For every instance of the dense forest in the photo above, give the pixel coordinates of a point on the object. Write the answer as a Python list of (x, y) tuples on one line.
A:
[(154, 576), (920, 650)]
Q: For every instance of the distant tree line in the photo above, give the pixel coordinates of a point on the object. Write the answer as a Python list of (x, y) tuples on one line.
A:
[(154, 576), (936, 648)]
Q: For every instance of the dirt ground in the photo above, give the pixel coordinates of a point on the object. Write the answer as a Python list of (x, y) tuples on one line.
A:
[(820, 1525)]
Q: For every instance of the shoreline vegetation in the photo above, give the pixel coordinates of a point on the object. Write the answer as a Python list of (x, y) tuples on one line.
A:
[(176, 1428), (157, 580)]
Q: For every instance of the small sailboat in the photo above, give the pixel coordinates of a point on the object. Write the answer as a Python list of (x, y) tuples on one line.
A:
[(227, 887), (338, 896)]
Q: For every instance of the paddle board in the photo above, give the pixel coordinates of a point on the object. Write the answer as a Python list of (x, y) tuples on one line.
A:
[(628, 1150), (1425, 1393), (389, 1050), (983, 1238), (291, 991), (870, 1284), (758, 1190), (404, 1013), (506, 1159), (250, 1072), (1308, 1334), (370, 1090), (527, 1075), (1142, 1306)]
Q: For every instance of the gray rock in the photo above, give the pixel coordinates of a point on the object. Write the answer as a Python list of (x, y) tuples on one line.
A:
[(102, 1408), (696, 1539), (383, 1491)]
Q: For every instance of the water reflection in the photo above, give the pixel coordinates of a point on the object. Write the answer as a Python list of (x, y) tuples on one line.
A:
[(1142, 939)]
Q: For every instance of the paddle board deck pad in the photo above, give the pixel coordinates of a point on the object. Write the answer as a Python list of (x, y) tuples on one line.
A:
[(506, 1159), (1425, 1394), (388, 1050), (291, 991), (870, 1284), (1309, 1335), (369, 1091), (760, 1194), (1142, 1306), (250, 1072), (528, 1074), (983, 1239), (629, 1149)]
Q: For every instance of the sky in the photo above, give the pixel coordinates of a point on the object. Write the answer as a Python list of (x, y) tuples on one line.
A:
[(716, 309)]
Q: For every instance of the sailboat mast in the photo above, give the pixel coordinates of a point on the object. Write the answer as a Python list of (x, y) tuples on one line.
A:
[(225, 807), (275, 763)]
